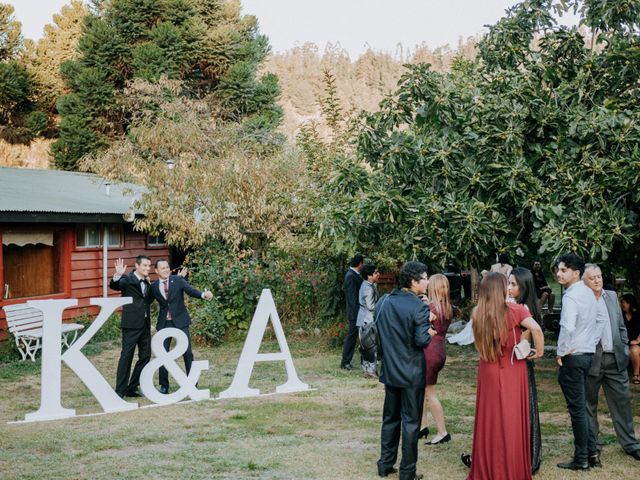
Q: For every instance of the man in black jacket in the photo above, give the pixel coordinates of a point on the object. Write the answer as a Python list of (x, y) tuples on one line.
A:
[(403, 330), (169, 291), (135, 323), (352, 282)]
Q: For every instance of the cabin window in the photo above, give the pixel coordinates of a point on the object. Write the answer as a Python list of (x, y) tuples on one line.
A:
[(156, 241), (90, 235), (32, 263)]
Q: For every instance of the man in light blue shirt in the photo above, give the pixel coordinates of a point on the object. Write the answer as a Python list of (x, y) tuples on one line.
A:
[(579, 334)]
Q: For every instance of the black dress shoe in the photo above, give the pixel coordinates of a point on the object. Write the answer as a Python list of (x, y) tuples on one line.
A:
[(444, 439), (346, 366), (635, 454), (594, 460), (573, 465), (133, 393), (164, 389), (386, 471), (466, 459), (423, 433)]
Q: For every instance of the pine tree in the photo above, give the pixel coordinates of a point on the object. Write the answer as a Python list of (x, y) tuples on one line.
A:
[(19, 123), (57, 46), (206, 44)]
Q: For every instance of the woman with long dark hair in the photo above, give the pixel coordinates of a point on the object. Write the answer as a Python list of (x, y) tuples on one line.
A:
[(501, 442), (522, 290), (631, 315)]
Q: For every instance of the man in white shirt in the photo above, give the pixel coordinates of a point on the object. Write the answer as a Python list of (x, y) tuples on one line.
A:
[(609, 369), (579, 334)]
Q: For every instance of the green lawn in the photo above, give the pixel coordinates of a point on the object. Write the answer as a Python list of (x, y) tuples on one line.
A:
[(331, 432)]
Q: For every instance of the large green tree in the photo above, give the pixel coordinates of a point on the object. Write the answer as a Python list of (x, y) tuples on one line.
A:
[(19, 120), (207, 44), (532, 148)]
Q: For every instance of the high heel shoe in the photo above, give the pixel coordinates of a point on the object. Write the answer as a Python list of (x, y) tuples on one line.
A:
[(423, 433), (466, 459), (444, 439)]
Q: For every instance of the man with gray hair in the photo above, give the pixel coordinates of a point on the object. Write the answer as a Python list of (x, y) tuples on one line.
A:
[(609, 368)]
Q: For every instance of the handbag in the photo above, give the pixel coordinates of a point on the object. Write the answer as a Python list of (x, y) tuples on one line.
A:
[(521, 350)]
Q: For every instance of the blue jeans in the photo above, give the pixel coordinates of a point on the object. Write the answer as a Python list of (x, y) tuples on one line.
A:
[(572, 378)]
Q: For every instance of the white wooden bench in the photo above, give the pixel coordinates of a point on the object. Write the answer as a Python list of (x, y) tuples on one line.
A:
[(25, 323)]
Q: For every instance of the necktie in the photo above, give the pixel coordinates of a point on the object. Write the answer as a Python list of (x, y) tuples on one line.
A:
[(143, 286), (166, 295)]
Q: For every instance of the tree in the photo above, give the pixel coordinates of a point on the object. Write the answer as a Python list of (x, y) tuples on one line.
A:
[(19, 122), (57, 46), (205, 180), (10, 34), (206, 44), (532, 148)]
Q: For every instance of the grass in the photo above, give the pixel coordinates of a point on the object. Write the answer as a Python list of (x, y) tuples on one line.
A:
[(331, 432)]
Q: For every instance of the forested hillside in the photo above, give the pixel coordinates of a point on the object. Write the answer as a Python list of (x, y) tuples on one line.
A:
[(361, 83)]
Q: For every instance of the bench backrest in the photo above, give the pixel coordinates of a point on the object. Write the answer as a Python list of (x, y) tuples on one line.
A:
[(21, 318)]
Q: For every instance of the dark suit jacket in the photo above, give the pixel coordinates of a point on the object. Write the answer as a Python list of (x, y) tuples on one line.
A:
[(135, 314), (403, 324), (178, 286), (618, 333), (351, 286)]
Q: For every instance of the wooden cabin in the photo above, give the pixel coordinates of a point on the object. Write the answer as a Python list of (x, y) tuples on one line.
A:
[(61, 233)]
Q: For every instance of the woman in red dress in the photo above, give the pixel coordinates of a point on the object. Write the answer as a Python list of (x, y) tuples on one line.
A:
[(435, 354), (501, 444)]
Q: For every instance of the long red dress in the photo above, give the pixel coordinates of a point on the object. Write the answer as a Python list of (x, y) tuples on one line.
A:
[(501, 443)]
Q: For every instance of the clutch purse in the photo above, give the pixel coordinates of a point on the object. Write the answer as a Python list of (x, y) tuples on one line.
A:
[(522, 350)]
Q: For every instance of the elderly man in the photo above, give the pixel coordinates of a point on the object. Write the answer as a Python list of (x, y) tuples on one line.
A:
[(609, 369)]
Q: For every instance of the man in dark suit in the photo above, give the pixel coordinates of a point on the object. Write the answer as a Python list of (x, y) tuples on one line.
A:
[(169, 291), (351, 286), (609, 370), (135, 323), (403, 331)]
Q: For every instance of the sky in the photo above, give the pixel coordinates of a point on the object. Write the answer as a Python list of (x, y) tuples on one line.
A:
[(355, 24)]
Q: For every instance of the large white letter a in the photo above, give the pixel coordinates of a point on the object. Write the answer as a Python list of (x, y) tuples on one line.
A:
[(240, 386)]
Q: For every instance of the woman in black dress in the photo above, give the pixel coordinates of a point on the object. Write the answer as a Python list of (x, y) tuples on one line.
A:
[(522, 290), (631, 315)]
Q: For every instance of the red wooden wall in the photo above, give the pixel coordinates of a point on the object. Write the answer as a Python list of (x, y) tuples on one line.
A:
[(82, 271)]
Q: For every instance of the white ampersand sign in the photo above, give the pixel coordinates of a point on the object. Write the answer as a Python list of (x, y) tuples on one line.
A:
[(167, 359)]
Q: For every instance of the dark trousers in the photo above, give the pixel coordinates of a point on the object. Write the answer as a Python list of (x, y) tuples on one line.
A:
[(349, 343), (132, 338), (615, 383), (572, 378), (402, 410), (186, 356)]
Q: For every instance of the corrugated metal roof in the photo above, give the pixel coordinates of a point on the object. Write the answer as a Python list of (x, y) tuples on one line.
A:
[(55, 191)]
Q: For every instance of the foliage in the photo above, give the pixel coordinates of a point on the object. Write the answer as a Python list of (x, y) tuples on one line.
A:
[(17, 124), (221, 183), (532, 148), (57, 46), (206, 44), (301, 288), (10, 34)]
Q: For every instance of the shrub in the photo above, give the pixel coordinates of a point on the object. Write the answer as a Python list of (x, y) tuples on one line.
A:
[(304, 290)]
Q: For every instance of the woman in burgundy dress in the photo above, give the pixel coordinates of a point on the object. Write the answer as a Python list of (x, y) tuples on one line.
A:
[(501, 442), (435, 354)]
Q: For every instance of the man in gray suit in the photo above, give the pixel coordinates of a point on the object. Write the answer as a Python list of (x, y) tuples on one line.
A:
[(609, 369)]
